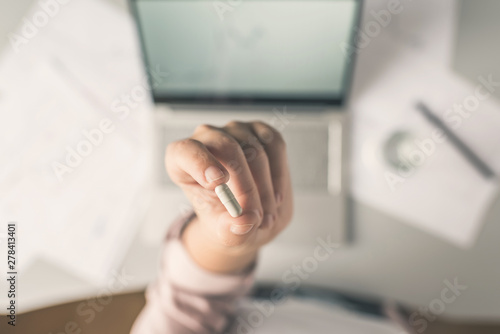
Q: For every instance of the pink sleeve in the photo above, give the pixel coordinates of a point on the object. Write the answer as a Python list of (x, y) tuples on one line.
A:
[(188, 299)]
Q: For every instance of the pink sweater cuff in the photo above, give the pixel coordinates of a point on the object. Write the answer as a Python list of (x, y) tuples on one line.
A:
[(186, 298), (185, 274)]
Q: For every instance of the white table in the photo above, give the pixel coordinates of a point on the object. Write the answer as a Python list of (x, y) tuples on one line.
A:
[(387, 258)]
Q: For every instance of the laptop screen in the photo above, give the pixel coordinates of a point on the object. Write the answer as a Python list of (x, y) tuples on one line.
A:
[(248, 50)]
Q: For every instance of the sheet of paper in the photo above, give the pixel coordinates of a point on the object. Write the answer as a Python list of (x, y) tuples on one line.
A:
[(443, 194), (298, 316), (426, 27), (58, 91)]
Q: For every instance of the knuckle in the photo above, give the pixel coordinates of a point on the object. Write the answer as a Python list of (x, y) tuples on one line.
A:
[(275, 139), (180, 145), (170, 149), (186, 143), (235, 124), (170, 158), (249, 192), (255, 152), (204, 128), (260, 153), (266, 127), (279, 141), (262, 124), (268, 134), (235, 167), (227, 142)]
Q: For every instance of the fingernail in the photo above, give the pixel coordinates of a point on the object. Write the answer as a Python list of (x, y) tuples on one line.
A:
[(241, 229), (213, 173), (279, 198)]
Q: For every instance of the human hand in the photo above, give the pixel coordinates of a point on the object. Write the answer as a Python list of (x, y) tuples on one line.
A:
[(251, 158)]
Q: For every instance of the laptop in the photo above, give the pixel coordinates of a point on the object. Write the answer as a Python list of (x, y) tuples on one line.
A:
[(284, 62)]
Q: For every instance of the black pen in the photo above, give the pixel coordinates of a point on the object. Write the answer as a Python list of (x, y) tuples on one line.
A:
[(472, 157)]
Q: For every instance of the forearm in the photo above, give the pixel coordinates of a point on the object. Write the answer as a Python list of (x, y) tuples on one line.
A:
[(210, 266), (187, 298)]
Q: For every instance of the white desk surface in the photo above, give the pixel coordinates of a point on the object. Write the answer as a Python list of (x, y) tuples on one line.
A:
[(387, 258)]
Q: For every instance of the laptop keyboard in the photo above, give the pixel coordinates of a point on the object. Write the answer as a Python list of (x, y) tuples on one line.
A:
[(307, 151)]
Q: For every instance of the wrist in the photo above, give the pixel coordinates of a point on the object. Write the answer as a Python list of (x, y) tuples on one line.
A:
[(211, 255)]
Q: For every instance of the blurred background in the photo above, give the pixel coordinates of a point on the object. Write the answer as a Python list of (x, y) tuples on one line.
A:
[(82, 139)]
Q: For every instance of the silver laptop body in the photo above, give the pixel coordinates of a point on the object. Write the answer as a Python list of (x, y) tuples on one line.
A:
[(236, 80)]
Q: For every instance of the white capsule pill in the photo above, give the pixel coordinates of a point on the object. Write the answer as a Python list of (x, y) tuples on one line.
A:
[(228, 200)]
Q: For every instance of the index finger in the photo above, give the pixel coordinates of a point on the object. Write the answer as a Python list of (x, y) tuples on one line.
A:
[(188, 161), (228, 151)]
